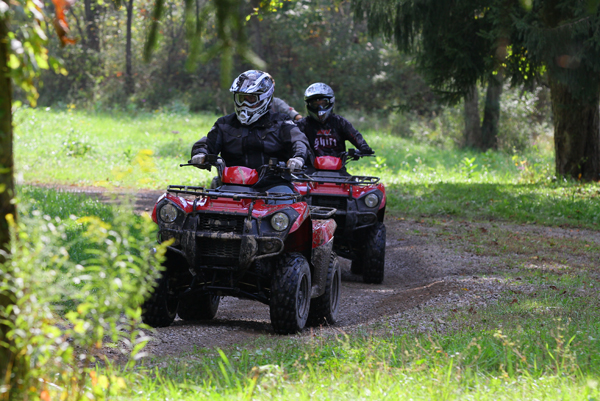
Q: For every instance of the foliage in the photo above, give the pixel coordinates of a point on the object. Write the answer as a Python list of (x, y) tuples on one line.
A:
[(451, 39), (459, 43), (303, 42), (78, 284), (28, 54)]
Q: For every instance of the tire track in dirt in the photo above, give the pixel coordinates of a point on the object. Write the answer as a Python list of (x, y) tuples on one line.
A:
[(415, 271)]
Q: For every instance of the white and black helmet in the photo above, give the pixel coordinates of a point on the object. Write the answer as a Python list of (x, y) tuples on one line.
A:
[(252, 95), (319, 99)]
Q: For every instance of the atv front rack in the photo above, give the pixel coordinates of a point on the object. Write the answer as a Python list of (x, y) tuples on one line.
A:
[(214, 193), (337, 179)]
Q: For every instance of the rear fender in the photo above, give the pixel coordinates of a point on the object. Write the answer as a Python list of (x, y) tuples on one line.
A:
[(320, 261)]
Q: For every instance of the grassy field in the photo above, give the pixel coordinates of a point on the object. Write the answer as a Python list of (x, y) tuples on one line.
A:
[(542, 344), (145, 150)]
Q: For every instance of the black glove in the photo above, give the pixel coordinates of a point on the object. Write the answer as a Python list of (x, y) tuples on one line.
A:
[(366, 150)]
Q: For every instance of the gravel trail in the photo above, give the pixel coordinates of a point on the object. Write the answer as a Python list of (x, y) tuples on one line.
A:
[(422, 269)]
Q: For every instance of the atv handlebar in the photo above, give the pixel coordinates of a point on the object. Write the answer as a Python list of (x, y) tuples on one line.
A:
[(209, 161), (274, 166), (354, 154)]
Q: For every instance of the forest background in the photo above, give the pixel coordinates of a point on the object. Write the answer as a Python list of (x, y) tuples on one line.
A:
[(74, 283), (302, 42)]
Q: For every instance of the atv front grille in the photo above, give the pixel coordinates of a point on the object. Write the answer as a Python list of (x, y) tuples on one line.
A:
[(337, 202), (221, 223), (219, 252)]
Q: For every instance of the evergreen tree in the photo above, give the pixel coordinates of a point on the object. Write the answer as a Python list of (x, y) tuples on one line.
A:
[(460, 43)]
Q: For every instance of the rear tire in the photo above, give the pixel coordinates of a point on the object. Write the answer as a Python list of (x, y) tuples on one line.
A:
[(198, 306), (290, 294), (370, 260), (160, 309), (324, 309), (356, 267)]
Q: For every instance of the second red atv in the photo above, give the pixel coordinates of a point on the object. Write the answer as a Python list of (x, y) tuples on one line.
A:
[(360, 209), (254, 237)]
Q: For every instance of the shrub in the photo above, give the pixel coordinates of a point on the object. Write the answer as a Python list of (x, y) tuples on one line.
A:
[(64, 314)]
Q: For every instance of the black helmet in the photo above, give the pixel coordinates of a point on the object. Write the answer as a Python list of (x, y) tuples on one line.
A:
[(252, 95), (319, 99)]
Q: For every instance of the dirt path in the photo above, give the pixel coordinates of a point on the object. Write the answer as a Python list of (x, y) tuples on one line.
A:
[(422, 268)]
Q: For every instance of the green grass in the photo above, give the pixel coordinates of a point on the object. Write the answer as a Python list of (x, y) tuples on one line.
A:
[(78, 148), (65, 208), (515, 350), (541, 340), (107, 149)]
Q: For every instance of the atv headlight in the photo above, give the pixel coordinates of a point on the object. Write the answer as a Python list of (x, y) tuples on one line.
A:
[(371, 200), (280, 221), (168, 213)]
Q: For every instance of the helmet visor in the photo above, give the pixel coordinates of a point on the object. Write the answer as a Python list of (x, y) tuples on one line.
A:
[(322, 102), (246, 98)]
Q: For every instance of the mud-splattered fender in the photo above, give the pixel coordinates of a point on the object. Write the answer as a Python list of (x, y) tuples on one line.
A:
[(320, 260), (323, 231)]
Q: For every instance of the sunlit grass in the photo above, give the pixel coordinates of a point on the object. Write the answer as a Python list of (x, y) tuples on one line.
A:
[(67, 147), (529, 349), (539, 341), (145, 150)]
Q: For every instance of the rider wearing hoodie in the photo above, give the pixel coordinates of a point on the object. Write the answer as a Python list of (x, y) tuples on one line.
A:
[(327, 132)]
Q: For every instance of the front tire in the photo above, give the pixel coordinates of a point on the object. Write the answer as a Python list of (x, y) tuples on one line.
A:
[(371, 261), (324, 309), (198, 306), (160, 309), (290, 294)]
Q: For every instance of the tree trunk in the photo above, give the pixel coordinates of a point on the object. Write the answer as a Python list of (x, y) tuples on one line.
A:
[(491, 113), (472, 120), (576, 133), (92, 11), (129, 84), (257, 47), (6, 180)]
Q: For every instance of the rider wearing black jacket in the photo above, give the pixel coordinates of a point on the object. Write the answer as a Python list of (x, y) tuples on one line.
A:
[(272, 135), (328, 132), (253, 134)]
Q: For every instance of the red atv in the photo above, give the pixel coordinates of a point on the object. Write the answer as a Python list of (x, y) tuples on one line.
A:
[(360, 203), (254, 237)]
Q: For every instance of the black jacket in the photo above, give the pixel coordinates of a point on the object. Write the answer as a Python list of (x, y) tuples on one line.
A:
[(273, 135), (329, 139)]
